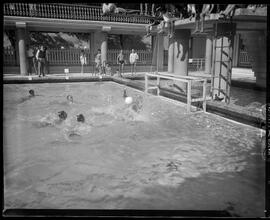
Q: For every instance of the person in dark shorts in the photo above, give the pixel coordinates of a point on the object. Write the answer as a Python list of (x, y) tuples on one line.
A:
[(121, 62), (41, 58), (31, 60)]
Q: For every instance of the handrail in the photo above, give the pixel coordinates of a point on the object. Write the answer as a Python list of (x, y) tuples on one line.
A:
[(70, 11), (185, 79)]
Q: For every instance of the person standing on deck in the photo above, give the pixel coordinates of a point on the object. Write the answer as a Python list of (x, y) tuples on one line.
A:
[(47, 64), (133, 58), (41, 56), (82, 59), (121, 62), (31, 60), (98, 62)]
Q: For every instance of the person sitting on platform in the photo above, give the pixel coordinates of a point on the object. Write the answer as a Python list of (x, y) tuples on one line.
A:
[(168, 19), (230, 10), (111, 8)]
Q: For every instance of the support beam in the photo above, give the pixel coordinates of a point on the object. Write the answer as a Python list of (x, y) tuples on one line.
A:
[(222, 60), (100, 41), (255, 42), (104, 47), (171, 55), (208, 54), (180, 61), (158, 52), (236, 48), (21, 41)]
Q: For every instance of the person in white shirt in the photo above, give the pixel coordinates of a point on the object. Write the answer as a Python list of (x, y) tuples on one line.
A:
[(133, 58), (83, 59)]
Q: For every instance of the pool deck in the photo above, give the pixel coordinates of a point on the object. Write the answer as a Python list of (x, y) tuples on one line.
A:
[(237, 112)]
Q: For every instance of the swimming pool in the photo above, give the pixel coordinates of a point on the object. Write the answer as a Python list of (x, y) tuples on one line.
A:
[(157, 157)]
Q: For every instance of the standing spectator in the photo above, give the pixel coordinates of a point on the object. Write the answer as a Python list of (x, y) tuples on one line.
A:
[(98, 62), (121, 62), (31, 60), (133, 58), (41, 56), (47, 64), (82, 59)]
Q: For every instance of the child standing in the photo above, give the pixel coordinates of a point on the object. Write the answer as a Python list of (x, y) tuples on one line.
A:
[(98, 62)]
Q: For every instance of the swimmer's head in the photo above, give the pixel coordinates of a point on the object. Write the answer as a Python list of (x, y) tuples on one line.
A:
[(125, 93), (70, 98), (62, 115), (32, 92), (80, 118)]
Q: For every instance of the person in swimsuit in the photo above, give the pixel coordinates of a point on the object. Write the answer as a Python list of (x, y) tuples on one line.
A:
[(121, 62)]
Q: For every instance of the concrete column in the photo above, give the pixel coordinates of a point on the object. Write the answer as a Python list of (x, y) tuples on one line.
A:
[(222, 68), (158, 52), (104, 46), (154, 47), (221, 73), (99, 41), (236, 48), (21, 36), (180, 60), (255, 42), (208, 54), (171, 55)]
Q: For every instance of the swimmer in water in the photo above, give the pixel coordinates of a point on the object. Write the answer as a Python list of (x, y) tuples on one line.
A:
[(78, 129), (62, 115), (80, 118), (128, 99), (31, 92), (70, 98), (31, 95), (52, 119)]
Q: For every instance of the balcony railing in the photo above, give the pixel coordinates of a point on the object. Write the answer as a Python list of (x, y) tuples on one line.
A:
[(244, 59), (70, 11)]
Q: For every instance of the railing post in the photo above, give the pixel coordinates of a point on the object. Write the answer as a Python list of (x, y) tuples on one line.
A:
[(189, 97), (158, 85), (204, 95), (145, 83)]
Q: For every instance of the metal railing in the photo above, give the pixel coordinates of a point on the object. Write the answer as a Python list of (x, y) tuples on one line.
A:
[(70, 11), (9, 56), (145, 57), (72, 56), (194, 64), (244, 59)]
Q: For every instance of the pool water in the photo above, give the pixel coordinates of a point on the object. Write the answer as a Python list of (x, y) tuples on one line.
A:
[(154, 156)]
